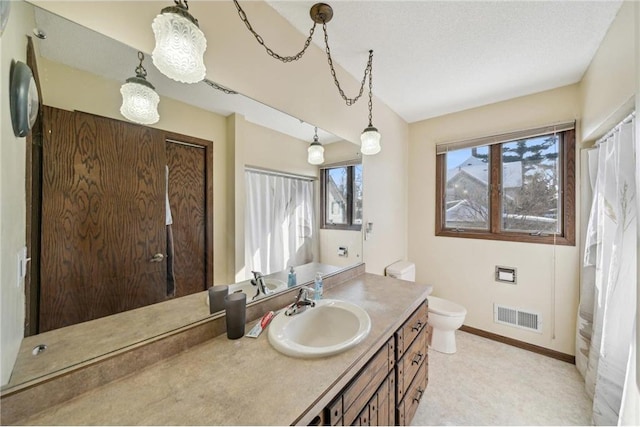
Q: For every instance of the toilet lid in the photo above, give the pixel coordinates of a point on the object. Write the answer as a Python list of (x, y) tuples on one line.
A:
[(445, 307)]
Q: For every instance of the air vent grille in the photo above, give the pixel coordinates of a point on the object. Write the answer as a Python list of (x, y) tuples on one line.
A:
[(524, 319)]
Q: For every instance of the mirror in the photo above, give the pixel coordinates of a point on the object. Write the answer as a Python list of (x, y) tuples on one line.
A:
[(83, 70)]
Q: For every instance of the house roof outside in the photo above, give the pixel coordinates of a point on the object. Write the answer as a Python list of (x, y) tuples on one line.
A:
[(478, 169)]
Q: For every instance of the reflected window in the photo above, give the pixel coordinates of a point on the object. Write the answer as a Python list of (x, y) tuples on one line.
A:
[(341, 203)]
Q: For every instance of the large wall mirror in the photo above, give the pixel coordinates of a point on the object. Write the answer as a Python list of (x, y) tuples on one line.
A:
[(81, 71)]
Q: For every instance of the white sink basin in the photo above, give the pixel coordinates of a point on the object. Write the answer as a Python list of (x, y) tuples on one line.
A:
[(329, 328)]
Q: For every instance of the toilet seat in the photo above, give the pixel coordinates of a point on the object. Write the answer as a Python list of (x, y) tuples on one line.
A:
[(445, 307)]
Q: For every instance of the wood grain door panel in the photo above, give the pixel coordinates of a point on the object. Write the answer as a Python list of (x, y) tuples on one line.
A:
[(188, 199), (103, 217)]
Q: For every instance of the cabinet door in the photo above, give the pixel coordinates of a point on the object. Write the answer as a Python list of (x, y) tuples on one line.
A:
[(103, 218)]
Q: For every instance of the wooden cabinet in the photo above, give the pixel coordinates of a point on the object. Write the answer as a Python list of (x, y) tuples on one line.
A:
[(358, 399), (412, 364), (388, 389)]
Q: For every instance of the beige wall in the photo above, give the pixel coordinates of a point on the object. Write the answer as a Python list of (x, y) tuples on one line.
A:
[(13, 46), (102, 97), (608, 86), (462, 270), (234, 59)]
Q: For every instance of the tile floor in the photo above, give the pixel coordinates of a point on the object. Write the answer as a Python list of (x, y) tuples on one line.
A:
[(489, 383)]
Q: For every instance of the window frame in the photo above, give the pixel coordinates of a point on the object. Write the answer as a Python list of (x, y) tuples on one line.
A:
[(567, 199), (350, 198)]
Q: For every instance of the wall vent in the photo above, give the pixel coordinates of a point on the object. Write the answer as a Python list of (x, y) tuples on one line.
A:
[(524, 319)]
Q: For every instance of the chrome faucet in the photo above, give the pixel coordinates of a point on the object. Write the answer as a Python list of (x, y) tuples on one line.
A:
[(302, 302), (258, 280)]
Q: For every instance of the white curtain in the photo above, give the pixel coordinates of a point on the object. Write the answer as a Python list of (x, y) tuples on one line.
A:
[(279, 222), (607, 309)]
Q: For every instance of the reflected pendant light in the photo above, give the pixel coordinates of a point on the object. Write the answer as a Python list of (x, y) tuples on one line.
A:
[(139, 98), (316, 151), (180, 44), (370, 138)]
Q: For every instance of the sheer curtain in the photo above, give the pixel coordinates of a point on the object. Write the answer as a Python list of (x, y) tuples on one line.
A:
[(279, 221), (606, 315)]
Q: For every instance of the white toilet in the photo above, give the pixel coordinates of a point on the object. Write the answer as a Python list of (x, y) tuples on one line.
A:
[(444, 316)]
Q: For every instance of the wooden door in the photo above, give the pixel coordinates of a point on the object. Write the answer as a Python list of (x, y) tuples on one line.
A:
[(187, 164), (103, 218)]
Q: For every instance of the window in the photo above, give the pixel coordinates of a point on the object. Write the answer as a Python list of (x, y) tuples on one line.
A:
[(520, 188), (341, 189)]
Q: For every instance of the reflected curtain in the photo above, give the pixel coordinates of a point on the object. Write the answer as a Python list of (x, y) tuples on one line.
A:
[(606, 314), (279, 222)]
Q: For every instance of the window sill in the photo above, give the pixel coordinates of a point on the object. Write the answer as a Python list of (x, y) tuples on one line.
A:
[(508, 237), (341, 227)]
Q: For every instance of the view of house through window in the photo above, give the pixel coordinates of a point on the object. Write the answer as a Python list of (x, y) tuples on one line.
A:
[(508, 189), (467, 192), (342, 197)]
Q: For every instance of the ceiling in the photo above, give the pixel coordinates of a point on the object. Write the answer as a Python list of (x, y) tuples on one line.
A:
[(430, 57), (437, 57)]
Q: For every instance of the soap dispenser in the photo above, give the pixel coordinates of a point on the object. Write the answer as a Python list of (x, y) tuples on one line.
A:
[(291, 280), (318, 287)]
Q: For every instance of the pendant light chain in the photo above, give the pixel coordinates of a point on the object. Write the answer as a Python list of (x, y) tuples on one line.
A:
[(367, 71), (140, 70), (317, 19), (285, 59), (370, 87)]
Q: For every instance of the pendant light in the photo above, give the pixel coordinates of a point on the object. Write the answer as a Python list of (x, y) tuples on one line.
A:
[(180, 44), (316, 151), (370, 138), (139, 98)]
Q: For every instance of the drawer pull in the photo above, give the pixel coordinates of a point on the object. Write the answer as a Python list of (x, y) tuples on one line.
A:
[(416, 360), (420, 393), (417, 326)]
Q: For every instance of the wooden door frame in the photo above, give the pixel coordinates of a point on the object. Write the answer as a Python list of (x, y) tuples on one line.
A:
[(33, 201)]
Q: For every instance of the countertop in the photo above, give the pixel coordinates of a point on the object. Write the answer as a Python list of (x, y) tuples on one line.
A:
[(245, 381)]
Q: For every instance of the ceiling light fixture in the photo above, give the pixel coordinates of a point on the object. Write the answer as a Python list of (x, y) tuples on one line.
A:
[(316, 150), (180, 44), (321, 13), (370, 138), (139, 98)]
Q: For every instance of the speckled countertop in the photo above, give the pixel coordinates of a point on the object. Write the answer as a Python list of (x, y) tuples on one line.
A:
[(245, 381)]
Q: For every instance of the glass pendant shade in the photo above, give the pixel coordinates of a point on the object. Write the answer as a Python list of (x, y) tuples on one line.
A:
[(370, 140), (180, 46), (139, 102), (316, 154)]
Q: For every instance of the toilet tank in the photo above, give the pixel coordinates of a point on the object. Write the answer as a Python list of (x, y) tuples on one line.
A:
[(403, 270)]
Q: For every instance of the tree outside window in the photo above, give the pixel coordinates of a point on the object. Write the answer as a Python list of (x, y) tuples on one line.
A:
[(518, 190)]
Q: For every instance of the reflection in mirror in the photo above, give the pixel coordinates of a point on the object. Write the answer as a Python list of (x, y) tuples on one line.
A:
[(82, 71)]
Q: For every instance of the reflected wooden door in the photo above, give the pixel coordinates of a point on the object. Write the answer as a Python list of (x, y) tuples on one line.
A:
[(187, 190), (103, 218)]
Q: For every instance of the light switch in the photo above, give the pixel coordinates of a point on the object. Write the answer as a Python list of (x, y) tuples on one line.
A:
[(22, 265)]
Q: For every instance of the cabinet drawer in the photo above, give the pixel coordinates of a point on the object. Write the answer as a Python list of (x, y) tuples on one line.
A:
[(348, 405), (355, 397), (408, 406), (413, 358), (410, 330)]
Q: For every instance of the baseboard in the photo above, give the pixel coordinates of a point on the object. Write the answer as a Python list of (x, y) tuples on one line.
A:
[(520, 344)]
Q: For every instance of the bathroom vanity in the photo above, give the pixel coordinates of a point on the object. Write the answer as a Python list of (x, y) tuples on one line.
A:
[(217, 381)]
